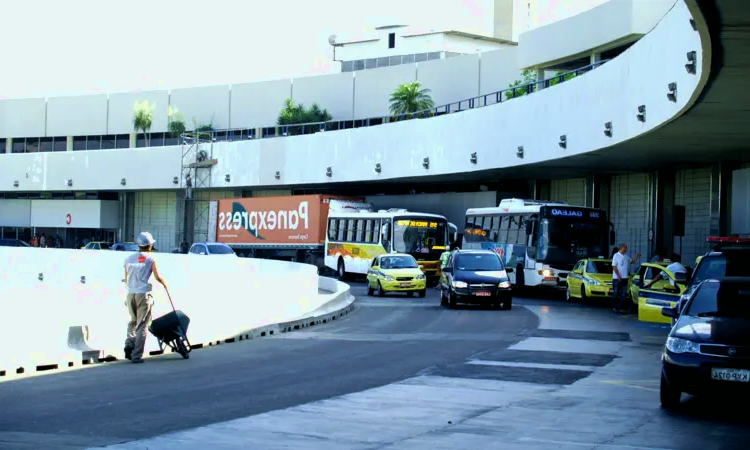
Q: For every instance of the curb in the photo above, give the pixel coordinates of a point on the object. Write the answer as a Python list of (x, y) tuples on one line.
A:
[(254, 333)]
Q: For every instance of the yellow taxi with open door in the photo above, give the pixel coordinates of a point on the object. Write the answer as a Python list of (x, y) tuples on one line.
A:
[(664, 293)]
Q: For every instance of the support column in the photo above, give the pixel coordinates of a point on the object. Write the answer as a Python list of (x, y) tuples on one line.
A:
[(595, 57), (601, 200), (725, 192), (543, 190), (69, 144), (591, 192), (540, 77), (130, 217), (664, 208), (9, 145)]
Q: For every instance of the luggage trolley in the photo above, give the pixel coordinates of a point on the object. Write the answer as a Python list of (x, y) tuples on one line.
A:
[(171, 329)]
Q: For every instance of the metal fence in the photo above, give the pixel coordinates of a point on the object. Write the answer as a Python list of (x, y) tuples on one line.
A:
[(480, 101)]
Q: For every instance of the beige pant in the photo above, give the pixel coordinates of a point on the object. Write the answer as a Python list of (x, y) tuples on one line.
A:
[(139, 306)]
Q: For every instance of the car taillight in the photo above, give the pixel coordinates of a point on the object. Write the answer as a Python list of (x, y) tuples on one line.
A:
[(727, 240)]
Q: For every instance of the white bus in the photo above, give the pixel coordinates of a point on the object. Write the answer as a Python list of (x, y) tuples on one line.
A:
[(541, 240), (354, 239)]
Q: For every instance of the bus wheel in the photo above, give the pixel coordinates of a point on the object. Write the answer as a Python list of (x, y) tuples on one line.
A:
[(342, 270), (520, 278)]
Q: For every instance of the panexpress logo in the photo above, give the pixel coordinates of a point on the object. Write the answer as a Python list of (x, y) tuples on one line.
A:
[(256, 221)]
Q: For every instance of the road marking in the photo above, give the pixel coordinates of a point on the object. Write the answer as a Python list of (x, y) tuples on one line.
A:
[(626, 383), (569, 345), (591, 444), (532, 365)]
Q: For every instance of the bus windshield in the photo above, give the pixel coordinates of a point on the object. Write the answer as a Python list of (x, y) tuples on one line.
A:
[(564, 241), (419, 235)]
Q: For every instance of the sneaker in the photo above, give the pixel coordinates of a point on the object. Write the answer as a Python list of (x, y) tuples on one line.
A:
[(138, 361), (128, 353)]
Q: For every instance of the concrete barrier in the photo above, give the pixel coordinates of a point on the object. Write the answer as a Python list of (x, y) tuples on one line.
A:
[(53, 297)]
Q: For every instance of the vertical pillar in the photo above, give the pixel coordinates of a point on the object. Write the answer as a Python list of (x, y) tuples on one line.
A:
[(716, 200), (543, 190), (595, 57), (9, 145), (725, 193), (129, 217), (69, 144), (591, 192), (133, 139), (540, 77), (665, 197)]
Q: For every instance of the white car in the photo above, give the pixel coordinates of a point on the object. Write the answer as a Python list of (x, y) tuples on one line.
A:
[(211, 248)]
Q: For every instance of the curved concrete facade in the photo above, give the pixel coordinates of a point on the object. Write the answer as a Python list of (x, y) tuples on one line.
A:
[(439, 146)]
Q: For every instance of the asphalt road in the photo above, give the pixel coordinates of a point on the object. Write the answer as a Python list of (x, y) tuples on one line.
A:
[(385, 340)]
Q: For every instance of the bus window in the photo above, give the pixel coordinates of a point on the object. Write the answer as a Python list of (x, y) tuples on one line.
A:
[(503, 235), (376, 231), (332, 229), (341, 230), (513, 230), (368, 231), (523, 238), (495, 228), (350, 230), (360, 230), (470, 223)]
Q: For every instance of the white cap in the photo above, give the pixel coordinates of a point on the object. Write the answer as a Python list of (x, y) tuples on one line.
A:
[(144, 239)]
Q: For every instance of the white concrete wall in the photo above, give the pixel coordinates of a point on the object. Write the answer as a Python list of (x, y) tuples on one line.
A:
[(77, 116), (450, 80), (258, 104), (606, 23), (204, 105), (244, 294), (15, 213), (80, 213), (497, 70), (577, 108), (332, 92), (22, 117), (121, 109)]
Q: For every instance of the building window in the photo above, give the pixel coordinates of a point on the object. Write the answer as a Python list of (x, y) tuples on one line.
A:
[(371, 63), (123, 141), (2, 145), (156, 140), (94, 143), (383, 62), (108, 142), (45, 144), (420, 57), (394, 61), (19, 145), (59, 144), (407, 59), (433, 55), (392, 40), (32, 145), (346, 66), (169, 140), (79, 143)]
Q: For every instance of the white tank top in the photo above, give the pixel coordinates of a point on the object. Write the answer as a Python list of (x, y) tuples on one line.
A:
[(139, 266)]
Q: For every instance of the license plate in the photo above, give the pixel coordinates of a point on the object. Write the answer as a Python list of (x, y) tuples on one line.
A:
[(405, 284), (482, 294), (549, 279), (742, 376)]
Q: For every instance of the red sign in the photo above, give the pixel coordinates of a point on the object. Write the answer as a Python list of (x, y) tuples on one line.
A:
[(68, 219)]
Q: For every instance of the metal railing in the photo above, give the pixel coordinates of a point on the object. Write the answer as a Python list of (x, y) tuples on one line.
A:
[(480, 101)]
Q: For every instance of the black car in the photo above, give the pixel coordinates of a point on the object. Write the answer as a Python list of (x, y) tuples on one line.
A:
[(478, 277), (708, 349)]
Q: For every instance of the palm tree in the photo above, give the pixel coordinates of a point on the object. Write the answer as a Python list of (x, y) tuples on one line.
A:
[(293, 114), (143, 117), (176, 124), (408, 98)]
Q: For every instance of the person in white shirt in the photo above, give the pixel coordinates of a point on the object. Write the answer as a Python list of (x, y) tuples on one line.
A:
[(620, 273), (677, 269), (138, 270)]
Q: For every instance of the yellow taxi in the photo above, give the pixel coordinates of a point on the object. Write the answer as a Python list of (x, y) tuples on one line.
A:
[(396, 272), (646, 273), (664, 293), (590, 278)]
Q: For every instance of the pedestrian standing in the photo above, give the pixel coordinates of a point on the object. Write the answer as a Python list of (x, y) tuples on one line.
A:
[(138, 270), (620, 274)]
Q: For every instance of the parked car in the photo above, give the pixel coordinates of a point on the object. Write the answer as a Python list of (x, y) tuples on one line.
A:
[(590, 278), (13, 243), (478, 277), (124, 247), (211, 248), (98, 246), (397, 272), (708, 349)]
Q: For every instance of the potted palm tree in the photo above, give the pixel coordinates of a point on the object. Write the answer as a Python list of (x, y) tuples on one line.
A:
[(143, 117), (176, 123), (410, 98)]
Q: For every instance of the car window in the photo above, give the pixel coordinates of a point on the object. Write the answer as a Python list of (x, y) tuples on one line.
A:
[(721, 300), (398, 262), (716, 266), (216, 249), (374, 262), (105, 246), (599, 267), (479, 262)]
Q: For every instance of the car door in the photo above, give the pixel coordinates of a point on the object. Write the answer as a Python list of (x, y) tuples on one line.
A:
[(575, 277), (665, 292), (372, 274), (446, 278)]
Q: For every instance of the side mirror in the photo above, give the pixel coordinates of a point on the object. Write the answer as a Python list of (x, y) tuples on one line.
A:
[(670, 312), (447, 270), (421, 267), (578, 272), (202, 253), (509, 270)]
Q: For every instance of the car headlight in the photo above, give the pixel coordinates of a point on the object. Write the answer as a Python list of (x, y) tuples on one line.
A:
[(420, 277), (388, 278), (592, 282), (504, 284), (677, 345), (460, 284)]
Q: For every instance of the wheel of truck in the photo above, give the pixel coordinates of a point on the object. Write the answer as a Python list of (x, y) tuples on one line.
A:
[(182, 349)]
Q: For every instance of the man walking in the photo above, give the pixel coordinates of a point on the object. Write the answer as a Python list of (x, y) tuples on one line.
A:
[(620, 273), (138, 269)]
